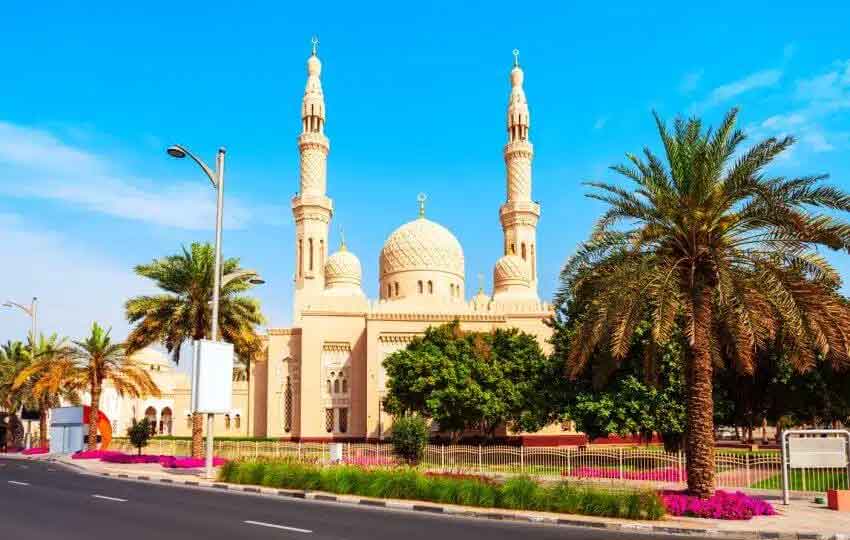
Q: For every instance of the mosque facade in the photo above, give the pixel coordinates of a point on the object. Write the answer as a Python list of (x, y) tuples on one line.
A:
[(324, 375)]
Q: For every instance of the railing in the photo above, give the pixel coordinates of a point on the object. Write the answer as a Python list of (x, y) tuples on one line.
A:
[(643, 466)]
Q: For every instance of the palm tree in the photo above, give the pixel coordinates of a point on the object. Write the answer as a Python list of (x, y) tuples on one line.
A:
[(49, 378), (98, 359), (183, 311), (710, 241), (13, 359)]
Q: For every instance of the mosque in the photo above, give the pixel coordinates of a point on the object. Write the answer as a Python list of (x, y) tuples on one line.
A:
[(323, 379)]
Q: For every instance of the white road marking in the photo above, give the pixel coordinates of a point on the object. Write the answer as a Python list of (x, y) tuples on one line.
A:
[(273, 526), (18, 483), (104, 497)]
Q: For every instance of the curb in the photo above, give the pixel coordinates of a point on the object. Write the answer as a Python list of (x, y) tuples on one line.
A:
[(573, 521)]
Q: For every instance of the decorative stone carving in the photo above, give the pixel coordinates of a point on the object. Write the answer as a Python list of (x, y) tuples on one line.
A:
[(422, 245)]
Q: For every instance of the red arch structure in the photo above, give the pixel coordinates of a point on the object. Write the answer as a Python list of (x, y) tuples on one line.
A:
[(104, 426)]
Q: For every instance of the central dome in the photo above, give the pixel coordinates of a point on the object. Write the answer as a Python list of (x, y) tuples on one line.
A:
[(421, 258), (422, 245)]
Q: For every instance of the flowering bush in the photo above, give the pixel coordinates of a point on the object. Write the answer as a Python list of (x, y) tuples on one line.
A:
[(669, 474), (179, 462), (35, 451), (169, 462), (721, 505), (368, 461), (94, 454)]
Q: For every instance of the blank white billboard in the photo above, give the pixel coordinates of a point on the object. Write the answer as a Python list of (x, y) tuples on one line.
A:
[(817, 452), (212, 376)]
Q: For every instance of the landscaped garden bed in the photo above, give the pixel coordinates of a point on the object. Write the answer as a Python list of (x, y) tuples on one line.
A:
[(517, 493), (169, 462), (721, 505)]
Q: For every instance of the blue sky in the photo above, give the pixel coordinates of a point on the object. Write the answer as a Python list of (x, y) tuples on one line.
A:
[(416, 94)]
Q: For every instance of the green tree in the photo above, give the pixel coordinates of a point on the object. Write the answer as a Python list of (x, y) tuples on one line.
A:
[(710, 236), (98, 359), (48, 378), (409, 437), (464, 380), (183, 311), (140, 433)]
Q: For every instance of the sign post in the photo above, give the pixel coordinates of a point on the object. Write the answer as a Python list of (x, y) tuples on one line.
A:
[(212, 385), (813, 449)]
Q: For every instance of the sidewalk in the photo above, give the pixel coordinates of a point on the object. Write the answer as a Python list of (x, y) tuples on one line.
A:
[(799, 520)]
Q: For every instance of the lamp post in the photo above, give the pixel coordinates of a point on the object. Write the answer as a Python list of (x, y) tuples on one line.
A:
[(32, 311), (217, 179)]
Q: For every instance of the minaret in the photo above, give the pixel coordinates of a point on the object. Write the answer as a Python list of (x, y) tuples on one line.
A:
[(520, 213), (311, 207)]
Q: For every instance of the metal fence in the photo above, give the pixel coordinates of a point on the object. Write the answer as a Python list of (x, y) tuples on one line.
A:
[(639, 466)]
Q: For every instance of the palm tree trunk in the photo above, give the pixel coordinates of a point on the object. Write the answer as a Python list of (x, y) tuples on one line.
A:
[(700, 430), (94, 416), (197, 435), (42, 424)]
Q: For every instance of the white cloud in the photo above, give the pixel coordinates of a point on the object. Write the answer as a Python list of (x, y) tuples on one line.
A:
[(760, 79), (74, 285), (816, 140), (37, 164), (690, 81)]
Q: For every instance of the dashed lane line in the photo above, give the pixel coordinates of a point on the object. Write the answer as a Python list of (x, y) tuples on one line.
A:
[(274, 526), (15, 482), (104, 497)]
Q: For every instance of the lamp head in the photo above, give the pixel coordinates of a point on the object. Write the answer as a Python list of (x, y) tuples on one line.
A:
[(176, 151), (256, 280)]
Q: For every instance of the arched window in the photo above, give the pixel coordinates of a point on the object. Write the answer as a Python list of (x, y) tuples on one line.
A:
[(238, 421), (329, 386), (310, 246), (451, 289), (513, 249), (165, 421), (226, 421), (522, 249), (287, 406), (343, 420), (419, 285), (430, 287), (300, 257), (329, 420), (533, 264), (336, 386), (389, 290), (396, 288), (189, 420), (344, 386), (321, 253)]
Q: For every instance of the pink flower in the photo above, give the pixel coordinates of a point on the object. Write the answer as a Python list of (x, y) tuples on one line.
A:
[(35, 451), (721, 505)]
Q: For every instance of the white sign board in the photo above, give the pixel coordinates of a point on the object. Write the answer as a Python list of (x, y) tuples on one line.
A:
[(817, 452), (212, 376)]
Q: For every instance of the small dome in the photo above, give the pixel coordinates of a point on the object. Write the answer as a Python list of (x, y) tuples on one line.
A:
[(511, 268), (422, 244), (343, 269)]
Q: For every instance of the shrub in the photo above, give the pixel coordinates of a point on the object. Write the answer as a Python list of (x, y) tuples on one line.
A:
[(519, 493), (409, 437), (721, 505), (139, 433)]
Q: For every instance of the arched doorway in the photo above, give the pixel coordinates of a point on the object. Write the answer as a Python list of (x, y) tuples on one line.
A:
[(150, 415), (165, 421)]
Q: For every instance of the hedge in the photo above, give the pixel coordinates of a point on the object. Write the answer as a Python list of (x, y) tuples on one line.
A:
[(517, 493)]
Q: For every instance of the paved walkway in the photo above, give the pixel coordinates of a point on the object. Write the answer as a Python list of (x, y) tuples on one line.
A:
[(800, 519)]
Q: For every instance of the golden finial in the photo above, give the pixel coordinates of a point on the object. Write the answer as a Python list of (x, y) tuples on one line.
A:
[(421, 198), (516, 57), (315, 42)]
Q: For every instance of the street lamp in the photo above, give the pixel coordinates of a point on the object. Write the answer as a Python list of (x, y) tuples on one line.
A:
[(217, 179), (29, 310), (32, 311)]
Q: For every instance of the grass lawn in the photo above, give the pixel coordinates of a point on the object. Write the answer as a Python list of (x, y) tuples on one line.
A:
[(815, 480)]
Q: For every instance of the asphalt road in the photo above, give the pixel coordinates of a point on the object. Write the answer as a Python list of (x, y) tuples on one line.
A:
[(43, 501)]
